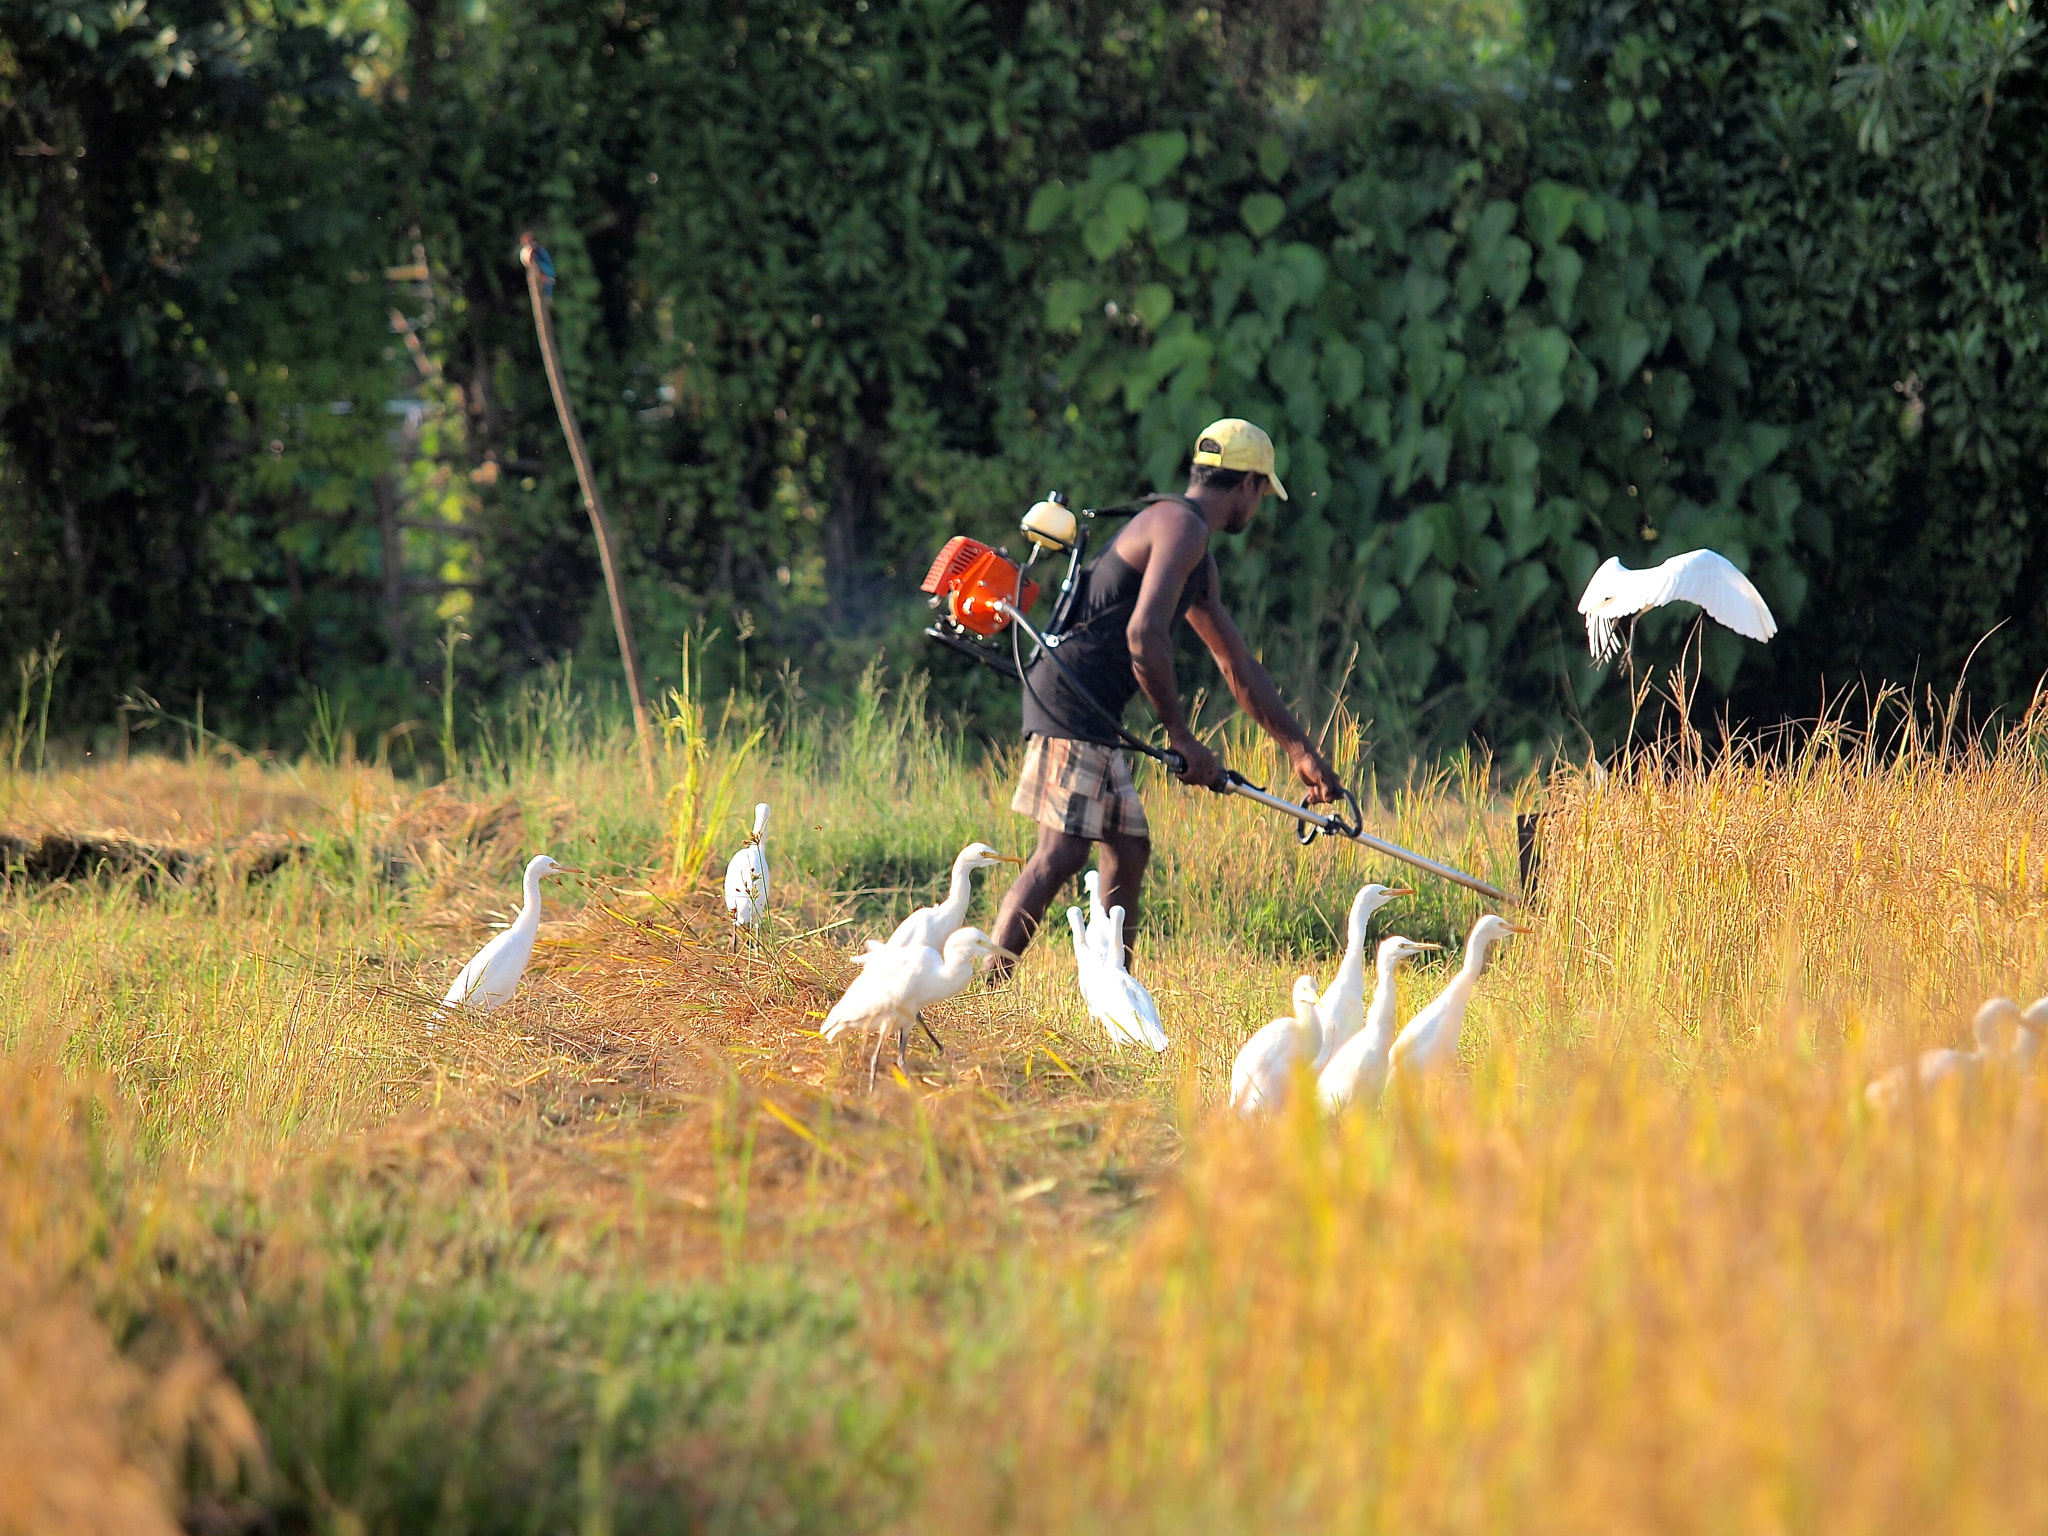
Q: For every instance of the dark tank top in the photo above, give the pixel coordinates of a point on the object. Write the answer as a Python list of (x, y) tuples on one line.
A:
[(1096, 651)]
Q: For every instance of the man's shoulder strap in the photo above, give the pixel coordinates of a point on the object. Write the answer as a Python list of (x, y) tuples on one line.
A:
[(1185, 503)]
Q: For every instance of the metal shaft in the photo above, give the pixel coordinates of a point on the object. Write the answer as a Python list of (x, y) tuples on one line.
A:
[(1328, 826), (1331, 828)]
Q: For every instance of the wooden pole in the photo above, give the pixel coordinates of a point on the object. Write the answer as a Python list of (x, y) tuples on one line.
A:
[(607, 546)]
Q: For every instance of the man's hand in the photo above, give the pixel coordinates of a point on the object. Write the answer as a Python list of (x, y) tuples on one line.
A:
[(1205, 768), (1324, 787)]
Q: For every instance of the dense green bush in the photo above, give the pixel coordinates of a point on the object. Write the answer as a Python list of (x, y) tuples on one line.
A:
[(839, 280), (1871, 179)]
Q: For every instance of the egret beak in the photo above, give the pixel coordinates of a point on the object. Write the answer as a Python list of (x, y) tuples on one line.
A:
[(1400, 890), (1429, 946), (564, 869), (1004, 858), (997, 952), (1513, 929)]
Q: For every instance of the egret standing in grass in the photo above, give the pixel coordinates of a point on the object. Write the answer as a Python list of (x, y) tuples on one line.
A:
[(2000, 1029), (1116, 999), (896, 985), (489, 980), (1431, 1039), (930, 927), (1266, 1063), (1341, 1009), (1700, 576), (746, 878), (1357, 1070)]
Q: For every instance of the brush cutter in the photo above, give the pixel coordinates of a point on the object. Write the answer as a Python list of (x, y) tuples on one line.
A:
[(980, 592)]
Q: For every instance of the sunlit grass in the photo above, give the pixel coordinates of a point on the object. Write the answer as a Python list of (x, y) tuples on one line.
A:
[(642, 1252)]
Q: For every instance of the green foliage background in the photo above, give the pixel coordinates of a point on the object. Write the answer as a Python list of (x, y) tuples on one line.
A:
[(1513, 293)]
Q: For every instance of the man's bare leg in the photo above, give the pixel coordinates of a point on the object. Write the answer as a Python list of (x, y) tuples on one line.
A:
[(1123, 877), (1058, 857)]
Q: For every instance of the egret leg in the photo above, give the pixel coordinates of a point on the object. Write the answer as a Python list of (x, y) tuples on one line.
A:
[(931, 1037), (874, 1056)]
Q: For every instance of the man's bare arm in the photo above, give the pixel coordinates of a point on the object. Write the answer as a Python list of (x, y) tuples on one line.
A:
[(1178, 542), (1253, 688)]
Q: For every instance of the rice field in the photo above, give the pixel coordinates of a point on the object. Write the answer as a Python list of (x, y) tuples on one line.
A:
[(642, 1253)]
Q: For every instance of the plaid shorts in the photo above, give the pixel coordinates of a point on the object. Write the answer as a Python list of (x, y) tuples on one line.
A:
[(1080, 788)]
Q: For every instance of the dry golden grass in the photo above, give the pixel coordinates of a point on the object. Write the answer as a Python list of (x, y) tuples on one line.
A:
[(1646, 1262), (1643, 1261), (97, 1438)]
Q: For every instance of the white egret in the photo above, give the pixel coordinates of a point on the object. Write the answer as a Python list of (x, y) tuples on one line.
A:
[(1430, 1039), (1120, 1001), (1092, 972), (490, 979), (896, 985), (1341, 1009), (1357, 1072), (746, 877), (1266, 1063), (1700, 576), (930, 927), (2000, 1030), (1087, 968), (2026, 1045)]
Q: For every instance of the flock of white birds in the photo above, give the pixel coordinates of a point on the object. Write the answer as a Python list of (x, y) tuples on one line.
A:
[(1349, 1048), (1352, 1050)]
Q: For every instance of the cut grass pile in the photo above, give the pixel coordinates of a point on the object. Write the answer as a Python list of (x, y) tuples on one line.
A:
[(641, 1252)]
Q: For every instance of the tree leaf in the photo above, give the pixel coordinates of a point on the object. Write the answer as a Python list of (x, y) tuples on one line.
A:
[(1159, 155), (1153, 303), (1065, 301), (1128, 206), (1548, 207), (1047, 204), (1262, 213)]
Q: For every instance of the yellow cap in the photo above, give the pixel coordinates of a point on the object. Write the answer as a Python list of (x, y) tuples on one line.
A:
[(1233, 443)]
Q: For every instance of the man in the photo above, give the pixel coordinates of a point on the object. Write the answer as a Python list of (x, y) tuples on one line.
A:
[(1076, 782)]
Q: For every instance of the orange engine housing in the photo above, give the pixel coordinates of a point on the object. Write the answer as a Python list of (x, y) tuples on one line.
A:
[(973, 578)]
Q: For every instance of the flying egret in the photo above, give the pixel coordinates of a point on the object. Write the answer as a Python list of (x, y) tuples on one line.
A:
[(1265, 1063), (1994, 1018), (746, 877), (1121, 1002), (1701, 576), (896, 985), (1430, 1039), (1342, 1005), (1357, 1072), (490, 979), (929, 927)]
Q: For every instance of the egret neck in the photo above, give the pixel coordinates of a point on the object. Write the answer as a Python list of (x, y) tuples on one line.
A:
[(1386, 998), (1450, 1003), (952, 912), (1342, 1008)]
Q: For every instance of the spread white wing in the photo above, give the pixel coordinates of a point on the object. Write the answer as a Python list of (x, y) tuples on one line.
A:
[(1701, 577)]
